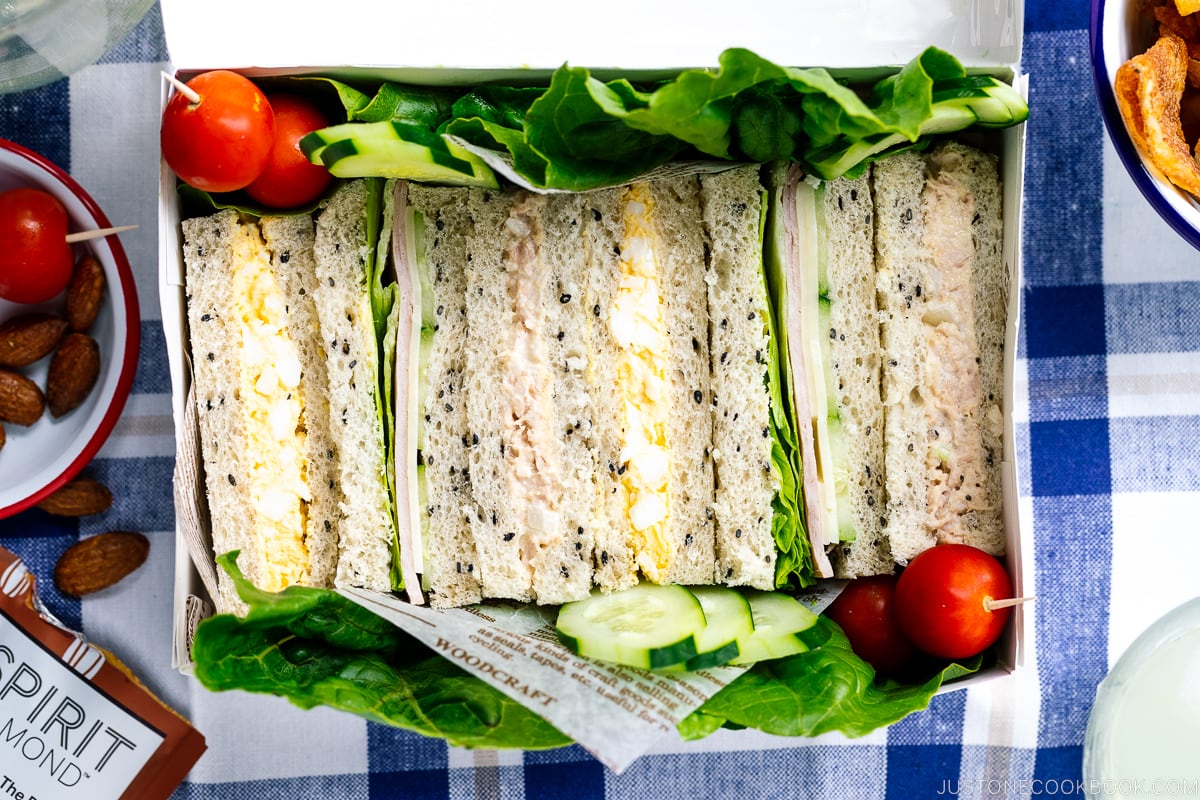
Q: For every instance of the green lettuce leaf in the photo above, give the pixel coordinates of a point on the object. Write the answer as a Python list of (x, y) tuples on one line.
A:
[(581, 133), (823, 690), (316, 648), (794, 567)]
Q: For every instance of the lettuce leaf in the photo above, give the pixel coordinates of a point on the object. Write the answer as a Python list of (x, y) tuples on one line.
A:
[(823, 690), (794, 567), (316, 648), (581, 133)]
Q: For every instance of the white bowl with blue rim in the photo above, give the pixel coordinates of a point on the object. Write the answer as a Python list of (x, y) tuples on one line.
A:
[(1118, 32)]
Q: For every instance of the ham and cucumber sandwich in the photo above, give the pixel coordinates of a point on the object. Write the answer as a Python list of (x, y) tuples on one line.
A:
[(288, 384), (596, 398), (898, 292)]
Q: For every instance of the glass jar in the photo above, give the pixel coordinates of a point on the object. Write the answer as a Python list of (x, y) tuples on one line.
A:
[(1143, 735)]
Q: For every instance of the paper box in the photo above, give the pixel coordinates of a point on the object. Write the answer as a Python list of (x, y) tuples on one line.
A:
[(859, 39)]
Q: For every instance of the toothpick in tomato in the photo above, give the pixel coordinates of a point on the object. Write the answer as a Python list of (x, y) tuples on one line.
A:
[(222, 142), (944, 600)]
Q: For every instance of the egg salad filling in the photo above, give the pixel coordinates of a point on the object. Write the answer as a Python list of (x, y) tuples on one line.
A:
[(637, 325), (272, 411)]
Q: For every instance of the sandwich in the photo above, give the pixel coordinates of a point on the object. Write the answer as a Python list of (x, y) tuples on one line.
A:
[(287, 383), (739, 377), (899, 291), (596, 394)]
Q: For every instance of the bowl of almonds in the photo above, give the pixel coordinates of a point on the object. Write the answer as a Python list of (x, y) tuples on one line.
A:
[(69, 328)]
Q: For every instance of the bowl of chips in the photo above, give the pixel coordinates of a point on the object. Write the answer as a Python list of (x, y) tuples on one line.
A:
[(1146, 66)]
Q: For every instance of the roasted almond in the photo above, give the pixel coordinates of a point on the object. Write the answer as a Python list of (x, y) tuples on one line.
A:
[(28, 337), (79, 497), (85, 293), (74, 368), (99, 561), (21, 400)]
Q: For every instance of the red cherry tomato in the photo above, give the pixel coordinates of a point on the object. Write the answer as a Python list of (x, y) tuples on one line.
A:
[(941, 600), (290, 179), (221, 143), (866, 611), (35, 259)]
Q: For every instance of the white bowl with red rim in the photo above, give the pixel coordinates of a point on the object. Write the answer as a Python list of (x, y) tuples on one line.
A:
[(38, 459)]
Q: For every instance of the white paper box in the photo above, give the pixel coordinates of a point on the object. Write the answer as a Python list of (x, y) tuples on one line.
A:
[(431, 44)]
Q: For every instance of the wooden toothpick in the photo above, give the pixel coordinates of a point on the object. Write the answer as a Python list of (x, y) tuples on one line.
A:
[(191, 94), (992, 605), (98, 233)]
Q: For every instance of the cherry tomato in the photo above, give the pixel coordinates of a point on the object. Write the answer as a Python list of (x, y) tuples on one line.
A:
[(866, 611), (941, 600), (221, 143), (35, 259), (290, 179)]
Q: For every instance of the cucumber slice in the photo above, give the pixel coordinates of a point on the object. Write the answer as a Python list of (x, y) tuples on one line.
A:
[(728, 619), (781, 623), (395, 149), (648, 626), (424, 356)]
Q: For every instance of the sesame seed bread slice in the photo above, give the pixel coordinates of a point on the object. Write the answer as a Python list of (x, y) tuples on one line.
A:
[(746, 481), (901, 267), (603, 231), (562, 570), (680, 254), (846, 219), (352, 353), (213, 334), (450, 560), (498, 528)]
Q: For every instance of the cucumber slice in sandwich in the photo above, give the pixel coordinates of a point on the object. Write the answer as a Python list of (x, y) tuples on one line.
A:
[(647, 626)]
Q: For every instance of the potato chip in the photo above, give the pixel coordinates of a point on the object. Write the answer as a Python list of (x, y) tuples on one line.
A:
[(1171, 21), (1185, 7), (1149, 89)]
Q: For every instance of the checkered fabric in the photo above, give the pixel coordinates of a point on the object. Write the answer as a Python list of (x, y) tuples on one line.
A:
[(1108, 427)]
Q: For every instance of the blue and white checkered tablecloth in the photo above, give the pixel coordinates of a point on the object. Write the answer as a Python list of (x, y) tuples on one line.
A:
[(1108, 427)]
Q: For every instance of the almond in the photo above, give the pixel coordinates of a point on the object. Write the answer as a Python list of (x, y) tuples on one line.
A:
[(21, 400), (79, 497), (74, 368), (85, 293), (28, 337), (99, 561)]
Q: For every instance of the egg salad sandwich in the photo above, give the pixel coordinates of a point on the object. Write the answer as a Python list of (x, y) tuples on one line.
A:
[(287, 381), (595, 392), (896, 286)]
